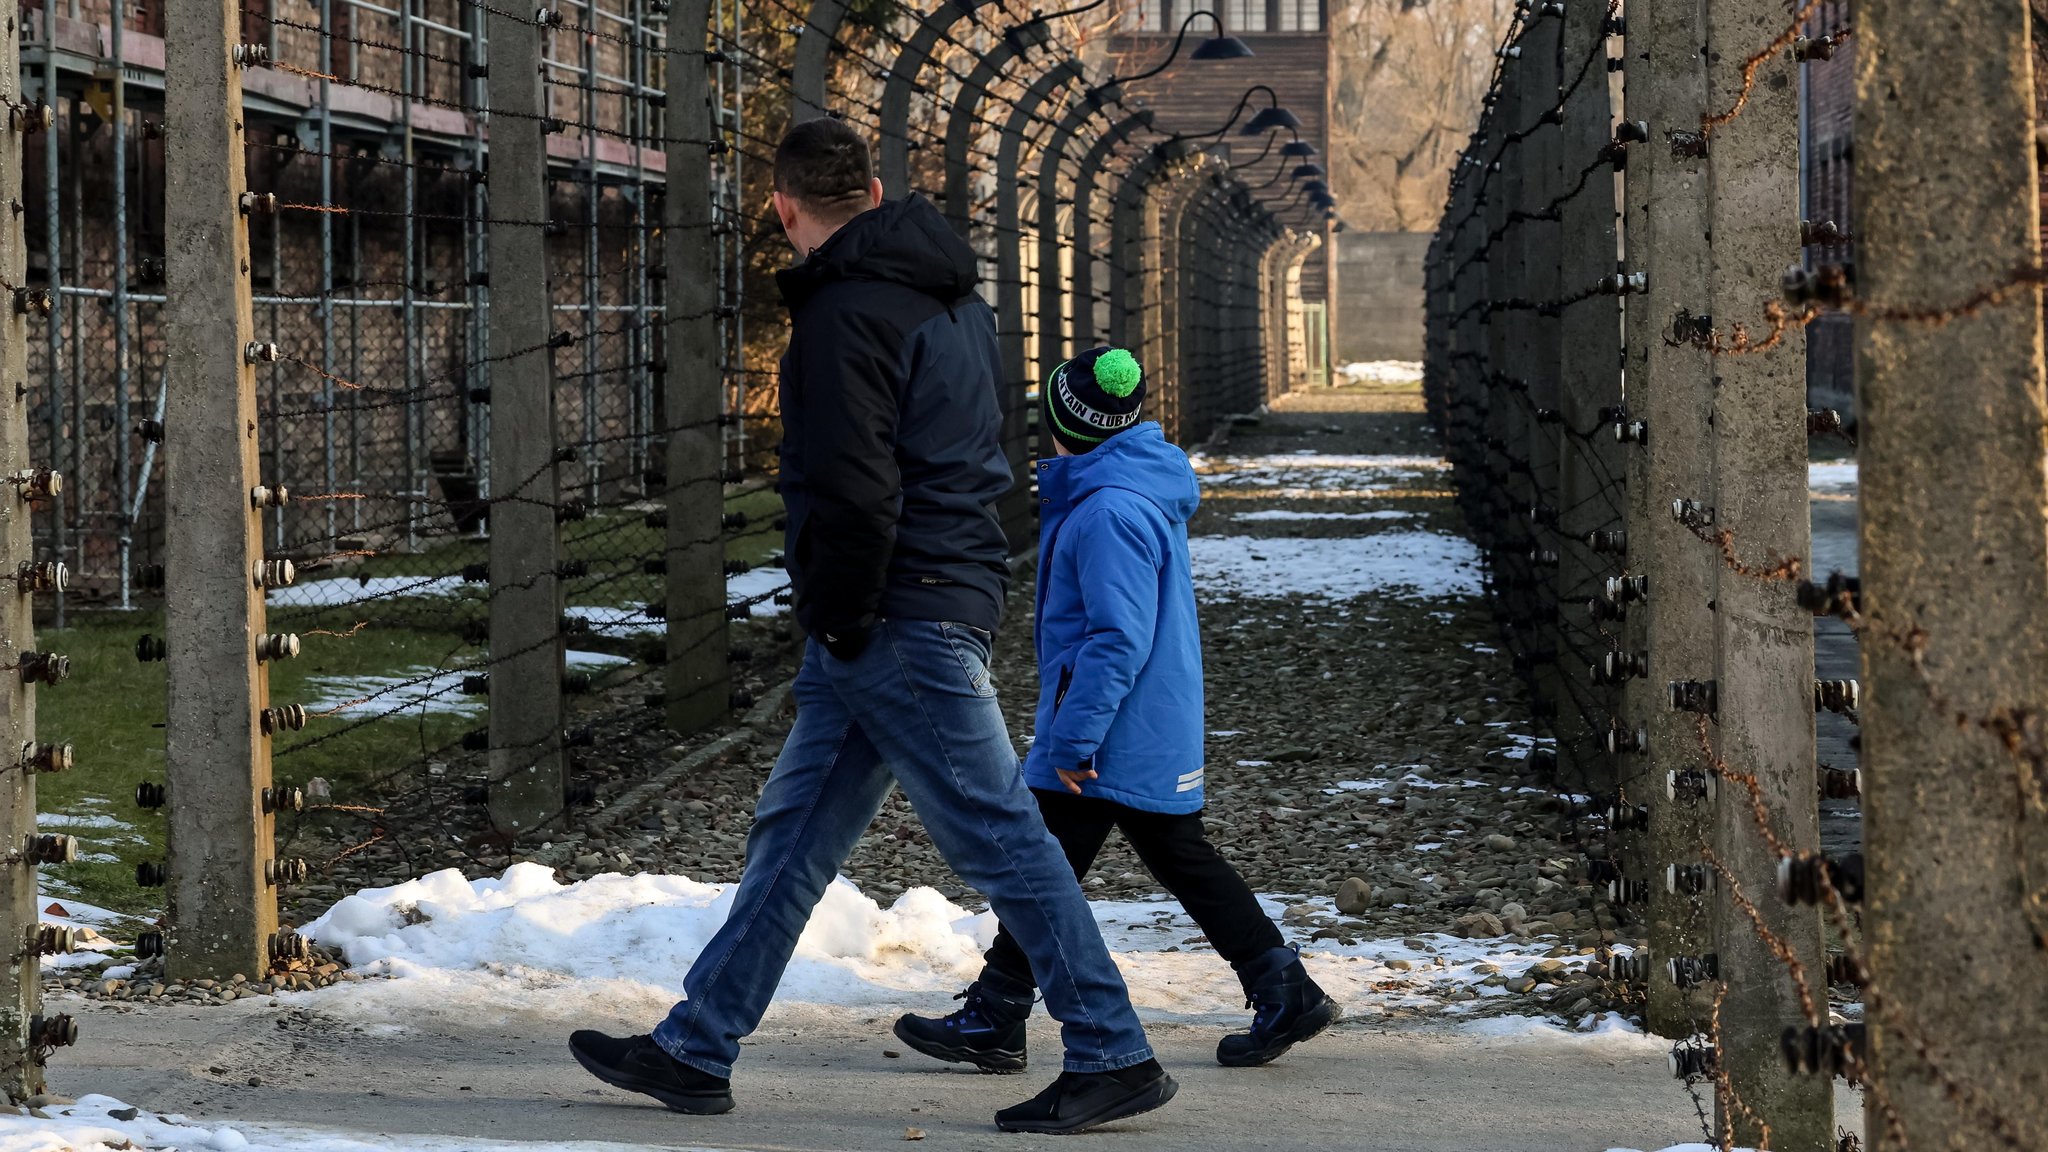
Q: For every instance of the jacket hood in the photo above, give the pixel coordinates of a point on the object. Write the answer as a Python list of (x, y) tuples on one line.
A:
[(904, 242), (1142, 461)]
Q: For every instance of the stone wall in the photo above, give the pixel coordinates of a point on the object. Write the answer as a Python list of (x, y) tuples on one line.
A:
[(1379, 303)]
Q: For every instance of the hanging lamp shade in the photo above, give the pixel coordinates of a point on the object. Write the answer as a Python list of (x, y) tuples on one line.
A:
[(1221, 47), (1268, 120)]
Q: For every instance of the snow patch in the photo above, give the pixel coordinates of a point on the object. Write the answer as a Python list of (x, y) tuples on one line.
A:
[(1382, 371), (103, 1124), (66, 820), (414, 689), (1831, 477), (1266, 514), (1314, 474), (619, 946), (1409, 564)]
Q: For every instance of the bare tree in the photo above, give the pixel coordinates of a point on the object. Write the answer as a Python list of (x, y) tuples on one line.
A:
[(1410, 75)]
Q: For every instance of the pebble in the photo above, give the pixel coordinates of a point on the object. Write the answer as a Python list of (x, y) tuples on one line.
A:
[(1354, 896), (1500, 843)]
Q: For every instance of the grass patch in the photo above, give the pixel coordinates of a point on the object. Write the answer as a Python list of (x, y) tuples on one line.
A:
[(112, 712), (112, 709)]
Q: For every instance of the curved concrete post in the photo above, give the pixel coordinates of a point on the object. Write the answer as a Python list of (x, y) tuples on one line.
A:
[(1016, 508), (1126, 247), (1052, 329), (966, 114), (1160, 325), (813, 58), (894, 166), (1009, 229), (1085, 324)]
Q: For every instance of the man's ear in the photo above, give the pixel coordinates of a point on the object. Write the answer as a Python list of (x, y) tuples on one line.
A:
[(874, 192), (785, 209)]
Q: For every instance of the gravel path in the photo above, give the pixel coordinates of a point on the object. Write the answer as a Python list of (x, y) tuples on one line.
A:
[(1368, 743)]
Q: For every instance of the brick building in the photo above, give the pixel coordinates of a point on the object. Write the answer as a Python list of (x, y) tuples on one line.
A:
[(369, 278)]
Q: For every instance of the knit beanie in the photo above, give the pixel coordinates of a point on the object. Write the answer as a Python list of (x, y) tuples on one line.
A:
[(1093, 397)]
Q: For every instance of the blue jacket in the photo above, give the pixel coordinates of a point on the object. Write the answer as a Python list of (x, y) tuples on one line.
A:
[(1119, 647)]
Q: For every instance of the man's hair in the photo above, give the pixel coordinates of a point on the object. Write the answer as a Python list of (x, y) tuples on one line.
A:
[(825, 166)]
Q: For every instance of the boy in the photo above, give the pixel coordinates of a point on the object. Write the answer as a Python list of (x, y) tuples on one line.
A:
[(1120, 722)]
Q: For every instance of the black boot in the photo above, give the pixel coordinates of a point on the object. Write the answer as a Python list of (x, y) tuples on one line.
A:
[(988, 1032), (1290, 1009), (638, 1064), (1078, 1101)]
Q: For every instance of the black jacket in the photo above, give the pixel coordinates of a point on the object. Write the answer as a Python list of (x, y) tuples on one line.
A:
[(892, 456)]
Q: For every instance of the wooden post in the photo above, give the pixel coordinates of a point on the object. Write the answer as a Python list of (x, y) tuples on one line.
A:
[(216, 757), (21, 986), (1954, 576), (698, 680), (1670, 393), (1763, 639), (527, 784), (1589, 492)]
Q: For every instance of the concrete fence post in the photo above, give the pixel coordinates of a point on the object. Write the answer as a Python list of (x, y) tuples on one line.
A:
[(1763, 639), (21, 985), (1954, 576), (222, 911), (698, 679), (527, 785), (1591, 539), (1666, 458)]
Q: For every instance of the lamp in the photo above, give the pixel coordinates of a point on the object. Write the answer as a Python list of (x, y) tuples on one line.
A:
[(1299, 149), (1269, 119), (1217, 47)]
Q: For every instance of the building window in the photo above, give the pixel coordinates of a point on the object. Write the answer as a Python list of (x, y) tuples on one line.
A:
[(1301, 15), (1245, 15), (1145, 15)]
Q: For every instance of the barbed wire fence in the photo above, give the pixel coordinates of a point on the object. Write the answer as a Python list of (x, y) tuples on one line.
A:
[(1630, 441), (474, 510)]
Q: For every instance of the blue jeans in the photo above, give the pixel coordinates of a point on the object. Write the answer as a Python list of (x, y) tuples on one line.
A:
[(917, 707)]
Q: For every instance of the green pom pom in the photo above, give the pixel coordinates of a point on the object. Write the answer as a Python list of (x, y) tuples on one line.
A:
[(1117, 373)]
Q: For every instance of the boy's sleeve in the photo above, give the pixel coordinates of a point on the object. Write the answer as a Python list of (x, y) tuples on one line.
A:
[(1117, 562)]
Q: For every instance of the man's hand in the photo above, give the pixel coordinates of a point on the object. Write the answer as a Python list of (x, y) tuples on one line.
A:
[(1072, 777), (847, 643)]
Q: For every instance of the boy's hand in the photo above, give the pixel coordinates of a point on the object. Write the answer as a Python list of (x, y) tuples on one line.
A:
[(1072, 777)]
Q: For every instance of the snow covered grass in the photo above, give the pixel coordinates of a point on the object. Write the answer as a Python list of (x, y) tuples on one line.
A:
[(1321, 475), (1381, 372), (615, 620), (619, 945), (1269, 514), (1406, 563), (104, 1124), (1837, 477)]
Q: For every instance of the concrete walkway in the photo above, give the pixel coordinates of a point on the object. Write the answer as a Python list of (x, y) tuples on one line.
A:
[(824, 1079)]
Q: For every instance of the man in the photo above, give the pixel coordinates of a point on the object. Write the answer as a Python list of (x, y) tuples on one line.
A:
[(891, 468)]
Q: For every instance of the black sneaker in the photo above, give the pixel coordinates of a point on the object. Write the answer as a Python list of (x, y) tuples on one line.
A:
[(1078, 1101), (638, 1064), (988, 1032), (1289, 1008)]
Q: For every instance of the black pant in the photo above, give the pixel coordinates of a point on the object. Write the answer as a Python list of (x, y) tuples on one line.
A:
[(1179, 856)]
